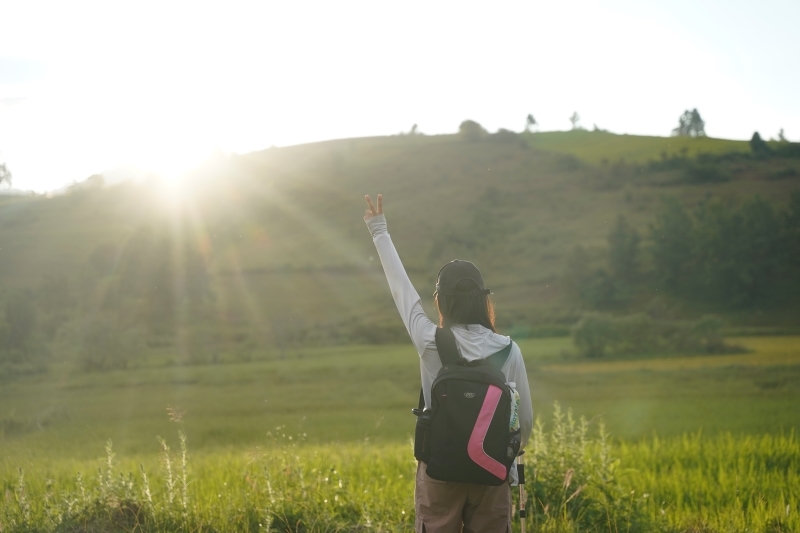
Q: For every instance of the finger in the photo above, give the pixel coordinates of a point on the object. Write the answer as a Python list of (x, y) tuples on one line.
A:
[(369, 203), (368, 214), (380, 204)]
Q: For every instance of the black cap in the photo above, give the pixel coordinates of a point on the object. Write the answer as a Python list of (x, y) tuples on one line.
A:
[(458, 270)]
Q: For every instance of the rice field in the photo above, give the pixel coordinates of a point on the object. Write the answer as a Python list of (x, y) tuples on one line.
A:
[(319, 441)]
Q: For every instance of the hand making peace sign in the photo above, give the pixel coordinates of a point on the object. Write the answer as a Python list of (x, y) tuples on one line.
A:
[(371, 212)]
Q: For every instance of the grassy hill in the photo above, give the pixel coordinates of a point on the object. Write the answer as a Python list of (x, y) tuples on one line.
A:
[(261, 251), (597, 146)]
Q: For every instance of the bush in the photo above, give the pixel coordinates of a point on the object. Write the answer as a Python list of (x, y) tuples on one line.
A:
[(575, 483), (598, 335), (99, 343), (705, 173), (469, 130)]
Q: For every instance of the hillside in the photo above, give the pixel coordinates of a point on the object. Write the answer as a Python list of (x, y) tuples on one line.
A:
[(268, 249)]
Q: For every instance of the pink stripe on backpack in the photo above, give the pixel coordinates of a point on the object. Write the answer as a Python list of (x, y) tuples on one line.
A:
[(475, 445)]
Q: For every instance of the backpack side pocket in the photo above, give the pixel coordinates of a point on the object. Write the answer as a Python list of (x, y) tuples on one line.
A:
[(422, 435)]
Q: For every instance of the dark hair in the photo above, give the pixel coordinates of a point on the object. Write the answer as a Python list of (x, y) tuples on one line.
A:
[(468, 308)]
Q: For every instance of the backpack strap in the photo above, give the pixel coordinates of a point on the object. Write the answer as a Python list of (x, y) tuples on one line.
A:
[(498, 360), (446, 346)]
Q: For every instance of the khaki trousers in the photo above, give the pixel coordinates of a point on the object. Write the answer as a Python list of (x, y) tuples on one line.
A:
[(447, 507)]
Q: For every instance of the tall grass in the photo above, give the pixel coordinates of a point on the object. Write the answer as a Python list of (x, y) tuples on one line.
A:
[(724, 484), (578, 482)]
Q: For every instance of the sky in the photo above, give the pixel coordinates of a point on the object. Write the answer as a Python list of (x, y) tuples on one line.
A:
[(88, 86)]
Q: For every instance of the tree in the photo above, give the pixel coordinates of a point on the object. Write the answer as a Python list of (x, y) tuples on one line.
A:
[(690, 124), (413, 130), (531, 122), (758, 145), (5, 174), (575, 119), (738, 250), (623, 251), (791, 222), (469, 130), (781, 137), (673, 234)]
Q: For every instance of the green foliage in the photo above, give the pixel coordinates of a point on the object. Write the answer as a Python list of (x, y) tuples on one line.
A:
[(22, 348), (726, 483), (469, 130), (599, 288), (758, 145), (672, 235), (237, 269), (287, 487), (728, 256), (575, 482), (97, 342), (690, 125), (603, 335), (623, 252)]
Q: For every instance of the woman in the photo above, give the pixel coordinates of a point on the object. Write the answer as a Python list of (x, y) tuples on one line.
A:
[(464, 306)]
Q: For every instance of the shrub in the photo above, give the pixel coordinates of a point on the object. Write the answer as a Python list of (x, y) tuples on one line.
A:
[(99, 343), (575, 482), (597, 335), (469, 130)]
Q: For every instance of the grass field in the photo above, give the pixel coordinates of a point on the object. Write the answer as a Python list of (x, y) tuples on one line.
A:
[(709, 439), (597, 147), (350, 394), (264, 268)]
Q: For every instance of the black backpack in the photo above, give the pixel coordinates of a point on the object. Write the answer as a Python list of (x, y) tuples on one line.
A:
[(465, 436)]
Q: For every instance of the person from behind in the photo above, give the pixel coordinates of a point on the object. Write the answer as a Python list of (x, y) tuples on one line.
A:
[(475, 411)]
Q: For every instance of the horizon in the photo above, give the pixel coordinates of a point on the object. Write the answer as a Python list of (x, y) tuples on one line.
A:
[(97, 88), (127, 173)]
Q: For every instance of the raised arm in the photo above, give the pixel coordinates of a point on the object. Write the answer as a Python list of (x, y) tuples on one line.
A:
[(406, 298)]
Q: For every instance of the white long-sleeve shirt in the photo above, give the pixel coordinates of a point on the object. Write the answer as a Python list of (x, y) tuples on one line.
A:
[(473, 341)]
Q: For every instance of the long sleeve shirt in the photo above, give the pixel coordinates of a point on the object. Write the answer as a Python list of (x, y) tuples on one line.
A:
[(473, 341)]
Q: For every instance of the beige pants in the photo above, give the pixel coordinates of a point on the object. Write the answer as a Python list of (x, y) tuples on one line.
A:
[(446, 507)]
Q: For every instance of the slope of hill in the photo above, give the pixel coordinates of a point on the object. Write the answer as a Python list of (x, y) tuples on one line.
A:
[(265, 249), (598, 146)]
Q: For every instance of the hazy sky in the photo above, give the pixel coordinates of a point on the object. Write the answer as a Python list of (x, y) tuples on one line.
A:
[(88, 86)]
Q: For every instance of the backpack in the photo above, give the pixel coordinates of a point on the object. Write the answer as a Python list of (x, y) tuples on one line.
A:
[(466, 436)]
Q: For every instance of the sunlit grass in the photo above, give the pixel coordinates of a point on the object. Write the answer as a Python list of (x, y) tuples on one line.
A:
[(687, 483), (597, 147)]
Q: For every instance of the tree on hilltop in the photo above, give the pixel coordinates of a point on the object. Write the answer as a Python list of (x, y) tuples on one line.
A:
[(469, 130), (575, 119), (530, 122), (758, 145), (5, 174), (690, 124)]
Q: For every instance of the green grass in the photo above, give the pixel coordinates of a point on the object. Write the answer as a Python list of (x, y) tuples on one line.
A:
[(692, 483), (353, 393), (689, 431), (285, 247), (597, 147)]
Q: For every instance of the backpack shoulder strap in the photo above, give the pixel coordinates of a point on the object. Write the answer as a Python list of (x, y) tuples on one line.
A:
[(446, 346), (498, 360)]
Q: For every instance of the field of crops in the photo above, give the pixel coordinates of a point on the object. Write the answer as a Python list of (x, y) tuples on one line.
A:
[(320, 441)]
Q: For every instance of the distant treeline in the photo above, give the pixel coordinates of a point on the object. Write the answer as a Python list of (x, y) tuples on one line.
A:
[(105, 315), (723, 256)]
